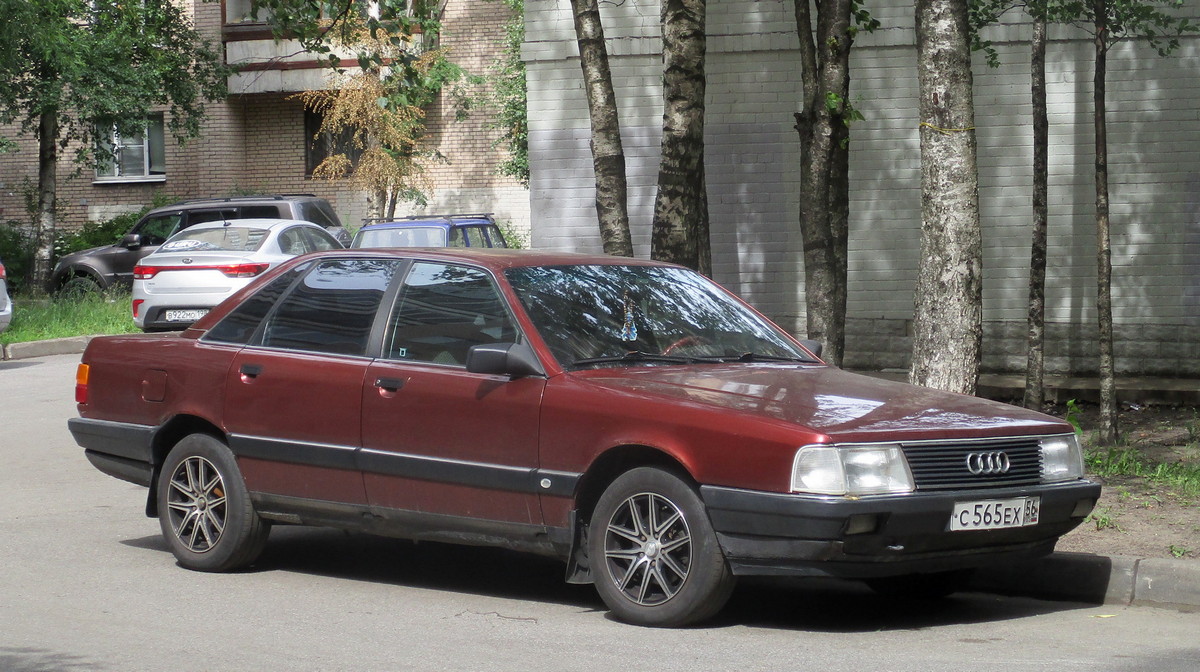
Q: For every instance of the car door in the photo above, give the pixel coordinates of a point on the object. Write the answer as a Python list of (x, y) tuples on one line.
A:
[(152, 232), (294, 395), (437, 438)]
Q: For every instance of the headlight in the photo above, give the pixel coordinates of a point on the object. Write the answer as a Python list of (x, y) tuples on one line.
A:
[(851, 470), (1062, 458)]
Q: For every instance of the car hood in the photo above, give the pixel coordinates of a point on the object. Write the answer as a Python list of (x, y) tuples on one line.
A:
[(842, 406)]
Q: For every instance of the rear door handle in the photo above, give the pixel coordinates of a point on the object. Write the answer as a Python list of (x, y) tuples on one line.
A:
[(250, 370)]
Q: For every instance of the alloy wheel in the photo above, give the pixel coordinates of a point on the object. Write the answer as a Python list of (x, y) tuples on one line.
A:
[(197, 505), (648, 548)]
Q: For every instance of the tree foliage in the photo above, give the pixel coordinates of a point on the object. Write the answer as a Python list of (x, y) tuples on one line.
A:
[(70, 69), (378, 105)]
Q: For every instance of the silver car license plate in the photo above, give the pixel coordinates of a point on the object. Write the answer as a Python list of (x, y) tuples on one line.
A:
[(185, 315)]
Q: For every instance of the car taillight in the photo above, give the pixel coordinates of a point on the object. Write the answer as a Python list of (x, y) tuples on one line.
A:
[(81, 383), (2, 275), (243, 270), (229, 270), (137, 306)]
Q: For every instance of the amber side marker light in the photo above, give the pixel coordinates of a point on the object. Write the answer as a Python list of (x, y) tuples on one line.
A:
[(81, 383)]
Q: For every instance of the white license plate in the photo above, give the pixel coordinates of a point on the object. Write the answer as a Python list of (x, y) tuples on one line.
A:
[(995, 514), (185, 315)]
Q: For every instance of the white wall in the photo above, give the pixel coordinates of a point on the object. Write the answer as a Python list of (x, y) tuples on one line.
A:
[(752, 155)]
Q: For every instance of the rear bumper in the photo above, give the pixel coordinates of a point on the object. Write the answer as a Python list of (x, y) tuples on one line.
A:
[(777, 534), (119, 449)]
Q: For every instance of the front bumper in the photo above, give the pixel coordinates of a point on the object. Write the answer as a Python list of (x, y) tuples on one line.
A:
[(779, 534)]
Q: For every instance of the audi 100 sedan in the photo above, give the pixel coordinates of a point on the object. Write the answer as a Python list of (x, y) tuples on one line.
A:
[(631, 418)]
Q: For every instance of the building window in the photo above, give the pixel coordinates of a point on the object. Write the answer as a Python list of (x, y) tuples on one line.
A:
[(133, 157), (321, 145)]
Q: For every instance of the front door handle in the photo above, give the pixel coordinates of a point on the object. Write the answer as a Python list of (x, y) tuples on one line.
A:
[(389, 384), (250, 370)]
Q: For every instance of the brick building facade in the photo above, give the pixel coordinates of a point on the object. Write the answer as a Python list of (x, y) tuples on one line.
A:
[(255, 140), (752, 169)]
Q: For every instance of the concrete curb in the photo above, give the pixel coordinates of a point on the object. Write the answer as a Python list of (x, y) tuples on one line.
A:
[(56, 346), (1099, 579)]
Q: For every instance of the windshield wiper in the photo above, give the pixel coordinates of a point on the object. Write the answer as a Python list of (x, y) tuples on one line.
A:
[(749, 357), (635, 356)]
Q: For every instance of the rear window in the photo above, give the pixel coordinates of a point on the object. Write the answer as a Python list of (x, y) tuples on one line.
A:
[(416, 236), (226, 239)]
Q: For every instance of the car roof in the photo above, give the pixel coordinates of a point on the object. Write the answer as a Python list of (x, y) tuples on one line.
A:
[(495, 258), (200, 203), (440, 221)]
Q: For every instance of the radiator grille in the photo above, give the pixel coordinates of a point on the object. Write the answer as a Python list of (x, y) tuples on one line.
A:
[(943, 465)]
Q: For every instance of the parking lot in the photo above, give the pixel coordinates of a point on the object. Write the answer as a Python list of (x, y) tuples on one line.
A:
[(87, 584)]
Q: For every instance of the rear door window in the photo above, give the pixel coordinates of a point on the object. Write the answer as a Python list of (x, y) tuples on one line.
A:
[(260, 212), (217, 215), (332, 309)]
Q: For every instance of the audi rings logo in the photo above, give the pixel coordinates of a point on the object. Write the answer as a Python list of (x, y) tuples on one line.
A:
[(988, 464)]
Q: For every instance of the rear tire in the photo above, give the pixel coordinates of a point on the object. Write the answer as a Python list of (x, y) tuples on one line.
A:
[(654, 556), (204, 509)]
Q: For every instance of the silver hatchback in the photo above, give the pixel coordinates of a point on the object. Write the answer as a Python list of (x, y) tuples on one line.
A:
[(201, 266)]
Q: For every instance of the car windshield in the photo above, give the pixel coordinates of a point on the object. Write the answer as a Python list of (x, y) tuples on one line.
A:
[(226, 238), (420, 236), (644, 315)]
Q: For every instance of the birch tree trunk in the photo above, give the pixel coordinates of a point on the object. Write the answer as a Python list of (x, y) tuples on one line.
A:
[(824, 170), (681, 230), (608, 155), (1108, 385), (1035, 369), (947, 325), (47, 205)]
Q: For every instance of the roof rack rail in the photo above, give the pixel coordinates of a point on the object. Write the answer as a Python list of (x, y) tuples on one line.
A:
[(409, 218), (248, 197)]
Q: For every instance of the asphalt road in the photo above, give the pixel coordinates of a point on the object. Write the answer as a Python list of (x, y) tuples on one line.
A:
[(87, 584)]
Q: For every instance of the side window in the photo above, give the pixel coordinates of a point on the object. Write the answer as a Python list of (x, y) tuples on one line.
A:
[(156, 230), (456, 238), (332, 309), (319, 241), (496, 236), (292, 241), (315, 213), (475, 236), (241, 322), (201, 216), (442, 311), (259, 212)]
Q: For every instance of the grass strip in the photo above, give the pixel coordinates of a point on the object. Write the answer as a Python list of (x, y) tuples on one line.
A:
[(41, 319)]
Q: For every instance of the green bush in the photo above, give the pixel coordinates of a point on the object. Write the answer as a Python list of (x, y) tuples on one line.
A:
[(95, 234), (16, 250)]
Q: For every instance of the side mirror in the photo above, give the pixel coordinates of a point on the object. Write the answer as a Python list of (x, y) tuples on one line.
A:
[(515, 360), (813, 346), (131, 241)]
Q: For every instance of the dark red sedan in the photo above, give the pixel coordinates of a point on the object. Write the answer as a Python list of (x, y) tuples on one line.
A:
[(631, 418)]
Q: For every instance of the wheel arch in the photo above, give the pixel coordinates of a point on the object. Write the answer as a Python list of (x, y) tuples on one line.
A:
[(599, 475), (165, 439)]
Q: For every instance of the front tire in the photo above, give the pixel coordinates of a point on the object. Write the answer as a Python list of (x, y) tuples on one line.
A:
[(654, 555), (204, 509)]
